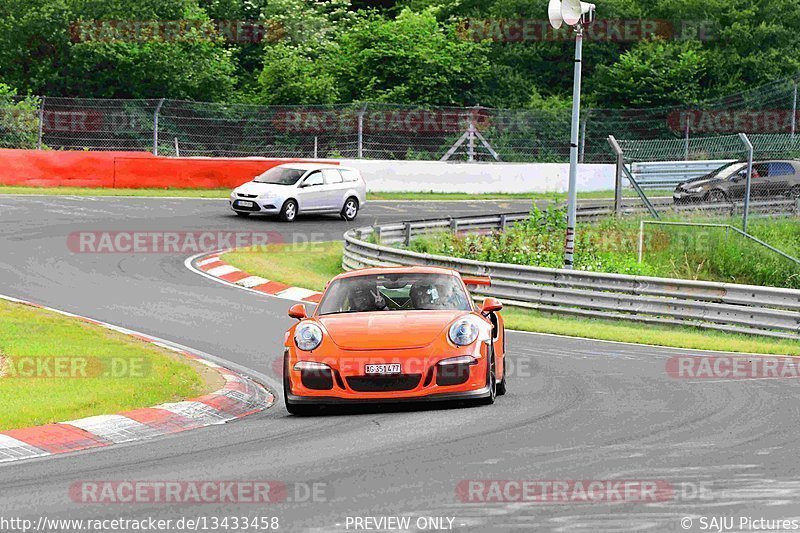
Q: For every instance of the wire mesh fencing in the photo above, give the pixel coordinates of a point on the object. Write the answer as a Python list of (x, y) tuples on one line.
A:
[(716, 177), (389, 131)]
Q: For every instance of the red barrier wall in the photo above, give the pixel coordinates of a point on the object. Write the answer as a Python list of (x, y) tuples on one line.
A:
[(127, 170)]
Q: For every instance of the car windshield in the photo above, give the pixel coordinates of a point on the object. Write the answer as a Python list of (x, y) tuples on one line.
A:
[(280, 176), (725, 171), (395, 292)]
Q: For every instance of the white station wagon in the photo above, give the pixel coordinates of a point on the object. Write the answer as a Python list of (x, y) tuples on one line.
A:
[(298, 188)]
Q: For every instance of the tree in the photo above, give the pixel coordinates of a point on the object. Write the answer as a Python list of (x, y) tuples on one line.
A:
[(293, 75), (70, 48), (19, 119), (410, 59), (652, 74)]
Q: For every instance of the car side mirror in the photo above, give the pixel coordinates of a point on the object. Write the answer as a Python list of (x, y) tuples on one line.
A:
[(491, 305), (298, 311)]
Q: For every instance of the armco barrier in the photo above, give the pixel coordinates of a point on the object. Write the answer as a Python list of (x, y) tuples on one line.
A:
[(127, 170), (766, 311), (668, 174)]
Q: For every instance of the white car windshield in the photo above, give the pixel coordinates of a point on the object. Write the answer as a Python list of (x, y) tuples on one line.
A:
[(395, 292), (726, 171), (280, 176)]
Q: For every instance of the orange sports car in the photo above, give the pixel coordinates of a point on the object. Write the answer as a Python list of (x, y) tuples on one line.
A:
[(395, 334)]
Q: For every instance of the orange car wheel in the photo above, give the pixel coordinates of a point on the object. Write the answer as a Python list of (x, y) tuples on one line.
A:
[(491, 378)]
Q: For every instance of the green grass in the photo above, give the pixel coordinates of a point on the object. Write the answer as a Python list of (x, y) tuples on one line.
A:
[(312, 266), (27, 332), (677, 337), (223, 193)]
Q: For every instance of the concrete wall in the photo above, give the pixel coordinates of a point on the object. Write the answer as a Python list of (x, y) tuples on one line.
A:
[(142, 170), (402, 176)]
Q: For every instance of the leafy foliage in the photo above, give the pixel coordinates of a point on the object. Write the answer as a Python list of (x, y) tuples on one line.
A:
[(611, 245), (403, 51)]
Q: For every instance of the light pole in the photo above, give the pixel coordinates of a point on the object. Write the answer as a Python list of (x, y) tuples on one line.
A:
[(573, 13)]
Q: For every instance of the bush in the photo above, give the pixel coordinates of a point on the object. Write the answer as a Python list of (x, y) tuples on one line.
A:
[(611, 245)]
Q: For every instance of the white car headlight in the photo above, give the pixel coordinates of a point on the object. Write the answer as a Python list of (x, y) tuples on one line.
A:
[(464, 331), (307, 336), (695, 189)]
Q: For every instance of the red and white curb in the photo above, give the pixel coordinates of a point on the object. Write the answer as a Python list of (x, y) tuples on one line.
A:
[(210, 265), (239, 397)]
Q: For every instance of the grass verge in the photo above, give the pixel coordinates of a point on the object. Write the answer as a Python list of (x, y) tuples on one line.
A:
[(223, 193), (56, 368), (312, 266)]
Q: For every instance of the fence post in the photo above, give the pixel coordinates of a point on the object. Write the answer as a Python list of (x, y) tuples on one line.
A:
[(315, 147), (453, 225), (503, 222), (583, 137), (746, 141), (361, 131), (155, 126), (177, 149), (794, 111), (686, 142), (471, 143), (407, 234), (41, 124), (618, 178), (641, 239)]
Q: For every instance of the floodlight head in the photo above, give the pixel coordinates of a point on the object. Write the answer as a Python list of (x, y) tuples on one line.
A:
[(554, 14), (575, 12)]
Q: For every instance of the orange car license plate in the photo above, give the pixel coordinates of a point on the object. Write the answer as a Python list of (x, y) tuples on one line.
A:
[(382, 370)]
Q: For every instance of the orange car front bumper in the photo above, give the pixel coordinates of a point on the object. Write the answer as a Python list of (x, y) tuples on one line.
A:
[(421, 375)]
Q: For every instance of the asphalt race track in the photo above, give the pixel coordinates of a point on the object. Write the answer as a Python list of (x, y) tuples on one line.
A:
[(576, 409)]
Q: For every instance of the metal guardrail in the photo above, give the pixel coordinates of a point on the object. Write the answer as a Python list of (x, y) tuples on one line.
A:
[(592, 209), (668, 174), (767, 311)]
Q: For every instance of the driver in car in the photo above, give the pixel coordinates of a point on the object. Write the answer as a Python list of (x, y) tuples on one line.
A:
[(366, 298), (448, 297), (421, 296)]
